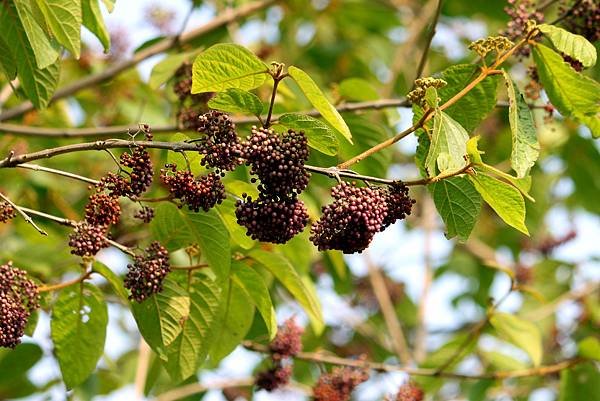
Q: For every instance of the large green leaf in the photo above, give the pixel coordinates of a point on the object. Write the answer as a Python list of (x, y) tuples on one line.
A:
[(505, 199), (235, 100), (38, 83), (589, 347), (257, 292), (525, 147), (283, 271), (225, 66), (176, 229), (572, 93), (190, 348), (357, 89), (78, 327), (579, 383), (235, 316), (159, 317), (92, 20), (18, 361), (459, 204), (8, 64), (34, 38), (164, 69), (319, 134), (571, 44), (64, 18), (448, 145), (316, 97), (520, 332)]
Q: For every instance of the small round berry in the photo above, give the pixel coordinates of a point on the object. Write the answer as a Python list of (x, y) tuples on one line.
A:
[(288, 342), (409, 392), (102, 210), (274, 378), (145, 276), (339, 384), (146, 214), (7, 212), (203, 193), (87, 239), (219, 142)]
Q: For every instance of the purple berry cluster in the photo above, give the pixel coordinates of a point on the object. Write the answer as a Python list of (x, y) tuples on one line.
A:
[(286, 344), (7, 212), (521, 11), (87, 239), (145, 214), (204, 192), (271, 220), (219, 142), (409, 392), (582, 18), (145, 276), (357, 214), (339, 384), (102, 210), (19, 297)]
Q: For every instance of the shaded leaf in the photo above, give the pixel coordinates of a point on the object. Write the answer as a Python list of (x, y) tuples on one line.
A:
[(164, 69), (458, 203), (237, 101), (579, 383), (520, 332), (92, 19), (448, 145), (64, 19), (33, 37), (571, 44), (319, 134), (115, 281)]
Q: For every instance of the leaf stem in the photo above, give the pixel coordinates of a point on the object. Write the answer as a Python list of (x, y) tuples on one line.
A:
[(36, 167), (60, 286)]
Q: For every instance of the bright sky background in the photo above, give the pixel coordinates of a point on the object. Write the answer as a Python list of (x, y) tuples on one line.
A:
[(400, 252)]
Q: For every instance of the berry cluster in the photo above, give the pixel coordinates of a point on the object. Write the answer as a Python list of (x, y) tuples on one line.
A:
[(278, 161), (339, 384), (7, 212), (19, 297), (271, 220), (409, 392), (357, 214), (417, 95), (102, 210), (139, 179), (219, 144), (146, 214), (87, 239), (286, 344), (495, 44), (574, 63), (182, 85), (582, 18), (521, 12), (197, 193), (145, 276)]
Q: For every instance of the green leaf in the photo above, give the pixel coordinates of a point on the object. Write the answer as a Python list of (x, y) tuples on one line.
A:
[(159, 318), (64, 19), (572, 93), (525, 147), (520, 332), (225, 66), (237, 101), (505, 199), (319, 134), (164, 69), (33, 37), (357, 89), (115, 281), (448, 145), (191, 347), (176, 229), (38, 83), (237, 233), (8, 64), (501, 361), (458, 203), (571, 44), (316, 97), (579, 383), (78, 328), (283, 271), (257, 292), (18, 361), (589, 347), (234, 319), (92, 20)]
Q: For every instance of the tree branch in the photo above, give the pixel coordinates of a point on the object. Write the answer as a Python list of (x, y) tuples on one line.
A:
[(35, 167), (22, 212), (160, 47), (60, 286)]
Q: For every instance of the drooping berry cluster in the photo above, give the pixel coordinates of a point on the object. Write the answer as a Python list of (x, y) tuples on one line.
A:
[(521, 12), (357, 214), (146, 214), (286, 344), (19, 297), (219, 142), (138, 180), (102, 210), (145, 276), (87, 239), (7, 212), (203, 193), (271, 220), (278, 161), (417, 95), (339, 384), (409, 392), (582, 18)]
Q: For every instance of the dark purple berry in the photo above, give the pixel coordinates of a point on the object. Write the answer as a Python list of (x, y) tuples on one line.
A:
[(7, 212), (145, 276), (19, 297), (582, 17), (146, 214), (203, 193), (87, 239), (138, 180), (274, 378), (219, 142), (102, 210), (399, 204)]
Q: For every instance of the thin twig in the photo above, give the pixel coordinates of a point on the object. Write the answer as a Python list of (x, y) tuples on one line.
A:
[(22, 212), (320, 357), (60, 286), (430, 36), (548, 309), (159, 47), (389, 313), (35, 167)]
